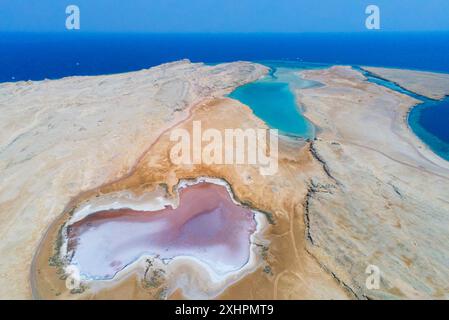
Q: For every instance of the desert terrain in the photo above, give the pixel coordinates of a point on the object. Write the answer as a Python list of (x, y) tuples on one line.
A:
[(365, 192)]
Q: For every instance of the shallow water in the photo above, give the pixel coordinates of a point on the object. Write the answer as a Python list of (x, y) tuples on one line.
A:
[(207, 226), (272, 98)]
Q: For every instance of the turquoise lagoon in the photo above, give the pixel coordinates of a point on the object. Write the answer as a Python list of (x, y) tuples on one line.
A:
[(272, 98)]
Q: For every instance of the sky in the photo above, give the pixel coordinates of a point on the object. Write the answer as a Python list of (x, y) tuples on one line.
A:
[(224, 15)]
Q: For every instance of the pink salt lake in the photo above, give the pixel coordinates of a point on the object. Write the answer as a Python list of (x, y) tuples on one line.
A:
[(207, 226)]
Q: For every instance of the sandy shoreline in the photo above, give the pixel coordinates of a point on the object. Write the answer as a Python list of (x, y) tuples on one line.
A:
[(429, 84), (204, 283)]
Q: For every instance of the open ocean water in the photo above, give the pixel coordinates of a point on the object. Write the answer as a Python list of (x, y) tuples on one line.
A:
[(36, 56)]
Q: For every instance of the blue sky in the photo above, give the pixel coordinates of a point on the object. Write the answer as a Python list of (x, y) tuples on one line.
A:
[(224, 15)]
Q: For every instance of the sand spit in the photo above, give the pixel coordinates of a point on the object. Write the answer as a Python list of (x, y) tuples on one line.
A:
[(384, 200), (63, 137), (429, 84)]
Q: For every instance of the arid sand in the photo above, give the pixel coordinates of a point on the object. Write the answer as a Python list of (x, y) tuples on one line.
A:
[(62, 137), (429, 84), (288, 271), (365, 192), (384, 201)]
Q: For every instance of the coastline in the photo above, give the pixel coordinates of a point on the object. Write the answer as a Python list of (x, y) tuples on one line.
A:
[(422, 145), (422, 101), (203, 276), (428, 84)]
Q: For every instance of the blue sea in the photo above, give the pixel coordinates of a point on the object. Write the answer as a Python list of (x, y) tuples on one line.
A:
[(37, 56)]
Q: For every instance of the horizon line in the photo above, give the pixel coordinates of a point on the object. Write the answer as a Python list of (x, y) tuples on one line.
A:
[(223, 32)]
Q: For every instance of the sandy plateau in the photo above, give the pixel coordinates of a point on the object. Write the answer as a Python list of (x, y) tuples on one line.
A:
[(365, 192)]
